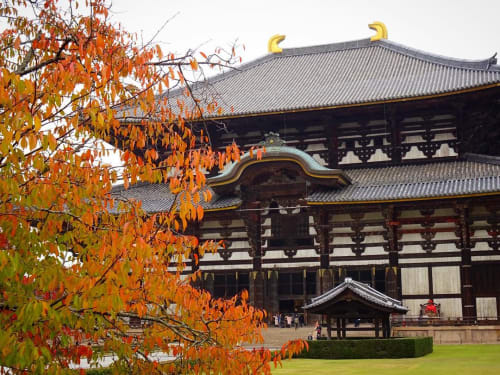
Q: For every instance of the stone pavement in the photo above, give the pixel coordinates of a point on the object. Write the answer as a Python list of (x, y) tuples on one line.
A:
[(276, 337)]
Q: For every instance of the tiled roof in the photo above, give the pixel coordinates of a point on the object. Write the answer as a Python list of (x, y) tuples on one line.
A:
[(478, 174), (158, 198), (438, 179), (364, 291), (341, 74)]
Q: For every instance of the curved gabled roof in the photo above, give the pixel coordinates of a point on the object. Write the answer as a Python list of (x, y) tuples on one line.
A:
[(365, 292), (279, 154), (342, 74)]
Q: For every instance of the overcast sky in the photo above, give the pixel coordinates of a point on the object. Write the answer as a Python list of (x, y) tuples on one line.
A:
[(466, 29)]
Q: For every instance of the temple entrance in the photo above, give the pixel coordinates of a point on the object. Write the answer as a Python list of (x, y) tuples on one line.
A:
[(287, 306)]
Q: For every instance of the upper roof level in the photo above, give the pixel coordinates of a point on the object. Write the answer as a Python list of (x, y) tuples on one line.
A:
[(344, 74)]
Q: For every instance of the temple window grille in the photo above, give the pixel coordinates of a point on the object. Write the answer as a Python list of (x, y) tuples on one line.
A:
[(227, 284), (374, 279), (289, 230)]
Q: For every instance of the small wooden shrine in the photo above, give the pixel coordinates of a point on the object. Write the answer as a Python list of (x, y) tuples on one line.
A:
[(354, 300)]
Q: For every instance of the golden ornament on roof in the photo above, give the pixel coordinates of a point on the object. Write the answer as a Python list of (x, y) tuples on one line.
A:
[(381, 30), (272, 45)]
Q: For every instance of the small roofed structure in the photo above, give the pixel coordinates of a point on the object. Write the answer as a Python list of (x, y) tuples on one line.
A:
[(354, 300)]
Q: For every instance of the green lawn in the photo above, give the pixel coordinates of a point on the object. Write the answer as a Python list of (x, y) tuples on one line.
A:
[(446, 359)]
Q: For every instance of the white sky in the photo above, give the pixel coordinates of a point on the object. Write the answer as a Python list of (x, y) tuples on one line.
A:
[(466, 29)]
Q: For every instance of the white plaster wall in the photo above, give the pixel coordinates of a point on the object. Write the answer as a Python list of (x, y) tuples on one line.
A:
[(226, 267), (350, 158), (415, 280), (240, 245), (444, 137), (374, 215), (343, 252), (315, 147), (411, 237), (240, 255), (414, 153), (413, 139), (450, 307), (280, 254), (340, 217), (289, 265), (414, 307), (412, 249), (486, 307), (444, 150), (481, 246), (429, 260), (342, 240), (319, 159), (359, 262), (374, 250), (446, 235), (379, 155), (374, 239), (446, 280), (446, 247), (410, 213), (479, 210), (445, 212), (481, 258)]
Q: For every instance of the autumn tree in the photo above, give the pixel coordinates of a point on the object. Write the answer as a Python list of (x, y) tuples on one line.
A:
[(75, 263)]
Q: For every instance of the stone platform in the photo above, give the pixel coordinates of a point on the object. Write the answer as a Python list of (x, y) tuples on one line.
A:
[(482, 334)]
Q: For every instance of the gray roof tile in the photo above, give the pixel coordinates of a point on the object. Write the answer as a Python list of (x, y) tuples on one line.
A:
[(157, 197), (363, 290), (429, 180), (341, 74)]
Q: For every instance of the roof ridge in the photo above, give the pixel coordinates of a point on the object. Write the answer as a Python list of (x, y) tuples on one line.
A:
[(488, 64), (325, 48)]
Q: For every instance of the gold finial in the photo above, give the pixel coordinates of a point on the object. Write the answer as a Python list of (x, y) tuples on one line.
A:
[(272, 45), (381, 30)]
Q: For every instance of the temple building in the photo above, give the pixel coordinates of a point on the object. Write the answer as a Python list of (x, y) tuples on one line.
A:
[(382, 165)]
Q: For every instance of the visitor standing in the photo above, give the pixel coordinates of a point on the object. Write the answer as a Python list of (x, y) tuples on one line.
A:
[(317, 328)]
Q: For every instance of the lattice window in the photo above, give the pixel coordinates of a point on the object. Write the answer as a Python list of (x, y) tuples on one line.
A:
[(291, 283), (228, 284), (290, 230)]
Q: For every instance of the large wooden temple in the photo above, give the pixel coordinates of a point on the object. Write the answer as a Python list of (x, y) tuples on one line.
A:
[(382, 164)]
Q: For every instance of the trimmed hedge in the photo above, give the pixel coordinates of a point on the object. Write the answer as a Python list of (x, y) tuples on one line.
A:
[(405, 347), (99, 371)]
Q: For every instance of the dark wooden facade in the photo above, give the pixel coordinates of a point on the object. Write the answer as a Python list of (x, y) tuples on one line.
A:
[(390, 175), (444, 247)]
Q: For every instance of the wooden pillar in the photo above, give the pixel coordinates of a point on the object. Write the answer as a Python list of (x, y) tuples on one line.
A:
[(468, 300), (208, 281), (392, 274), (395, 136), (386, 330), (272, 300), (377, 327), (322, 227), (344, 321), (253, 224), (388, 325), (257, 288), (333, 146), (338, 328), (329, 327)]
